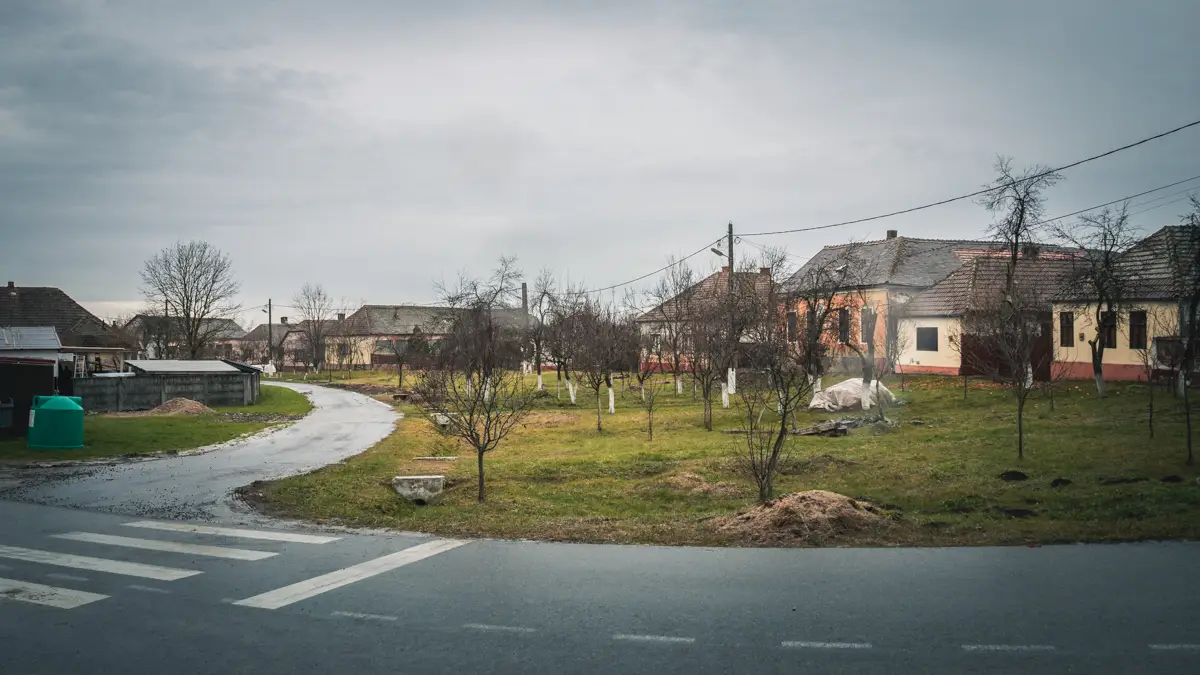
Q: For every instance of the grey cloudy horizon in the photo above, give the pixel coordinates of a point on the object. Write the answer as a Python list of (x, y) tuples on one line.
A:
[(377, 147)]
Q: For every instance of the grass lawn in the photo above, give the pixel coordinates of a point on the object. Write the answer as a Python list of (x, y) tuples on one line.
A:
[(558, 479), (274, 400), (105, 436)]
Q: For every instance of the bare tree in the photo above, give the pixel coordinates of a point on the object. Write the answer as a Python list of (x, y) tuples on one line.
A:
[(1102, 239), (595, 326), (1183, 254), (672, 298), (315, 307), (1018, 200), (562, 339), (897, 340), (194, 284), (708, 332), (475, 386), (351, 332), (541, 310)]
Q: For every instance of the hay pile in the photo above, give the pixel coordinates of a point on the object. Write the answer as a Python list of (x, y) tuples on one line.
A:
[(182, 406), (695, 484), (811, 517)]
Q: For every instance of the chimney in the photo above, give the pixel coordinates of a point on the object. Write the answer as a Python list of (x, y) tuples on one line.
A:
[(11, 285), (341, 316), (765, 271), (283, 320), (891, 234), (1029, 251)]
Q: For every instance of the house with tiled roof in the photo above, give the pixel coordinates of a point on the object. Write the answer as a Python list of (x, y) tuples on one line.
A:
[(374, 334), (1148, 317), (882, 276), (162, 337), (95, 345)]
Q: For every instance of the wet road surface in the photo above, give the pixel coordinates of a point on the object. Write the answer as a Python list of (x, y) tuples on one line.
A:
[(199, 487)]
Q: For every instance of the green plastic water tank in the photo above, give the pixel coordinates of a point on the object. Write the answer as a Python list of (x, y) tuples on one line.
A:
[(55, 423)]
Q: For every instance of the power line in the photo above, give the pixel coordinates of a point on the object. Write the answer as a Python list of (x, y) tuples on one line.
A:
[(1189, 192), (978, 192), (644, 276)]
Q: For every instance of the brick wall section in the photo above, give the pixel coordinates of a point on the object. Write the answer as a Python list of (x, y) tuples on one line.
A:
[(116, 394)]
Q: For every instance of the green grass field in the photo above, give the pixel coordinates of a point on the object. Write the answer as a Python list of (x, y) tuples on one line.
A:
[(109, 436), (936, 471)]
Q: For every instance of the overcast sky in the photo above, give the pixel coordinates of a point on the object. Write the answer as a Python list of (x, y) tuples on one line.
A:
[(375, 147)]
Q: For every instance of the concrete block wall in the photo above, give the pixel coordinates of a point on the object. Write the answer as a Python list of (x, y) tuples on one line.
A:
[(117, 394)]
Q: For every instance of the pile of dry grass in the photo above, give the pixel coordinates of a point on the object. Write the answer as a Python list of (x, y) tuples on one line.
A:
[(182, 406), (810, 517), (695, 484)]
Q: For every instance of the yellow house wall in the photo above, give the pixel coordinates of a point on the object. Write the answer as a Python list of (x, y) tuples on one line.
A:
[(945, 357), (1162, 319)]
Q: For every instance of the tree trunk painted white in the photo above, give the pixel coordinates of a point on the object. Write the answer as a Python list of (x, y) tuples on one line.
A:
[(468, 387), (678, 386), (612, 402), (731, 380), (1028, 376), (817, 385), (1101, 386), (866, 395), (539, 382), (724, 396), (571, 390), (644, 394)]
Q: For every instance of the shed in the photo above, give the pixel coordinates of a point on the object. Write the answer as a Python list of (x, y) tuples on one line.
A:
[(179, 367), (154, 382)]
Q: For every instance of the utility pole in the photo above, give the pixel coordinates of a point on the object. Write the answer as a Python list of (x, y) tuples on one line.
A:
[(731, 378), (270, 333)]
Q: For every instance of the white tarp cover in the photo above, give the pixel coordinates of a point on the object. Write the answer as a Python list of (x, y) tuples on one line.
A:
[(848, 396)]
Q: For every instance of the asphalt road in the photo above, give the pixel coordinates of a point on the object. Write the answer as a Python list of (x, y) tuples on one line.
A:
[(198, 487), (412, 604), (116, 586)]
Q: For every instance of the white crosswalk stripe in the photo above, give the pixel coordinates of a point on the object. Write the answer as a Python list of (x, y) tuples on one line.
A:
[(308, 588), (168, 546), (96, 564), (51, 596), (266, 535)]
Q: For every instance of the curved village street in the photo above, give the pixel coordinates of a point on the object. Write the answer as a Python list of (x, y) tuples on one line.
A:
[(199, 487)]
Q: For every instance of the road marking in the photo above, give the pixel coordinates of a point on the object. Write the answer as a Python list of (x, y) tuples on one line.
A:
[(1009, 648), (234, 532), (302, 590), (499, 629), (360, 615), (84, 562), (51, 596), (169, 546), (66, 577), (655, 638), (827, 645), (1174, 648), (147, 589)]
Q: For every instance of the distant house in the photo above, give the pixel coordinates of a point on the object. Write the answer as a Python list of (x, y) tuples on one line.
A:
[(931, 329), (884, 276), (657, 321), (372, 336), (164, 337), (287, 339), (87, 342), (1148, 317)]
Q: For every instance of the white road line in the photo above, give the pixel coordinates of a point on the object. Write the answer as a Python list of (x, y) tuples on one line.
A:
[(51, 596), (1175, 648), (234, 532), (1009, 648), (147, 589), (302, 590), (83, 562), (360, 615), (655, 638), (827, 645), (499, 629), (169, 546), (66, 577)]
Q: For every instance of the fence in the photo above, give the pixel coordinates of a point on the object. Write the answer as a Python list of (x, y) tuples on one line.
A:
[(108, 394)]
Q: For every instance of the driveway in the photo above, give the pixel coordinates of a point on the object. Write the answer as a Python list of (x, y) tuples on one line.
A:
[(199, 487)]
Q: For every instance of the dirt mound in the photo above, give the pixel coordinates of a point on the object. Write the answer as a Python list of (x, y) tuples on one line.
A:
[(182, 406), (695, 484), (813, 517)]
